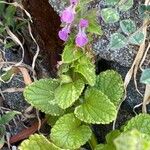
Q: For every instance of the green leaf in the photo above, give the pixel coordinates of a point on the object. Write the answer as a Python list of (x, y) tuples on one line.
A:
[(94, 28), (2, 142), (8, 117), (63, 68), (117, 41), (110, 141), (137, 38), (110, 15), (65, 79), (141, 122), (128, 26), (111, 84), (96, 108), (9, 45), (8, 75), (111, 136), (86, 68), (2, 134), (100, 147), (132, 140), (126, 5), (70, 133), (71, 53), (2, 7), (144, 11), (9, 15), (67, 94), (145, 78), (40, 94), (38, 142), (111, 2), (2, 29)]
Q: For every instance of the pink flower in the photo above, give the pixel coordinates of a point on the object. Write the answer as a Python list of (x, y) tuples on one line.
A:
[(64, 33), (81, 38), (68, 15), (83, 23)]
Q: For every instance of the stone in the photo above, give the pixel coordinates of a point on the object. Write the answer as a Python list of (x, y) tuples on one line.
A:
[(123, 56)]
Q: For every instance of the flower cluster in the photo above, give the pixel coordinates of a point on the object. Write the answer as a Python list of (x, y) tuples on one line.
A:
[(67, 17)]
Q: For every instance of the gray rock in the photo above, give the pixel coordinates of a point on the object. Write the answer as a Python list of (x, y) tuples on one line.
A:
[(123, 56)]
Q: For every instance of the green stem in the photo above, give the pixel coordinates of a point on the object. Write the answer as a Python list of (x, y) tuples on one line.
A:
[(93, 142)]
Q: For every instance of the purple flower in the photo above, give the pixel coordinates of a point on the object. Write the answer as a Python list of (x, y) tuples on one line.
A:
[(83, 23), (81, 39), (64, 33), (68, 15)]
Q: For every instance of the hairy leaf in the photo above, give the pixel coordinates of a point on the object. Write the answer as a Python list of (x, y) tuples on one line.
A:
[(38, 142), (69, 133), (126, 5), (145, 78), (128, 26), (137, 38), (132, 140), (40, 94), (111, 84), (117, 41), (110, 15), (94, 28), (86, 68), (71, 53), (96, 108), (141, 122), (66, 94)]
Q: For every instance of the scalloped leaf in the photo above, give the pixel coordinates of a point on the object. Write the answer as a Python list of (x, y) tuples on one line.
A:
[(37, 142), (40, 94), (86, 68), (118, 41), (70, 133), (67, 94), (145, 77), (140, 122), (128, 26), (126, 5), (111, 2), (71, 53), (111, 84), (132, 140), (96, 108), (137, 38), (110, 15)]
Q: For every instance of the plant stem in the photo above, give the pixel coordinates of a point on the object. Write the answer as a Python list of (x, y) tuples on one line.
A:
[(93, 142)]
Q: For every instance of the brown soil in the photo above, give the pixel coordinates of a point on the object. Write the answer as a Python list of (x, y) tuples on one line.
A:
[(46, 24)]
